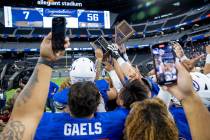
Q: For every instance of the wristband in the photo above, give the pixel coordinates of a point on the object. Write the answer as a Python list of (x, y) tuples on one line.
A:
[(208, 59), (115, 80), (45, 62), (125, 56)]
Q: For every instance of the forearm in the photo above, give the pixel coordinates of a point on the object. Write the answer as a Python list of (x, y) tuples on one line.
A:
[(115, 80), (32, 99), (198, 117), (112, 94), (98, 68), (29, 106), (119, 71)]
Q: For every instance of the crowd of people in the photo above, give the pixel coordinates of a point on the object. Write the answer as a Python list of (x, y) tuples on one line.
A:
[(110, 99)]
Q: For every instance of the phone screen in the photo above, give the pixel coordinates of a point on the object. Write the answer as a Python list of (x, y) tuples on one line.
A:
[(58, 33), (164, 62)]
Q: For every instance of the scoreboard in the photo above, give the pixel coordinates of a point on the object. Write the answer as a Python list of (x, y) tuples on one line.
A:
[(42, 17)]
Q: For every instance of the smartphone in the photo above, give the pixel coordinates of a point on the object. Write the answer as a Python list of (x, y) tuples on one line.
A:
[(164, 63), (58, 33)]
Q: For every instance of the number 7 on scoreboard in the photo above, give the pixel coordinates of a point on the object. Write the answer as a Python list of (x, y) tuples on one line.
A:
[(26, 13)]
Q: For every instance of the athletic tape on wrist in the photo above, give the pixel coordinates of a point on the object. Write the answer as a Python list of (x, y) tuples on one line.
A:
[(125, 56), (116, 81), (120, 60)]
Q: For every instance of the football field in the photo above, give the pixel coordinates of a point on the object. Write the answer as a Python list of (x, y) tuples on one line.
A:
[(10, 93)]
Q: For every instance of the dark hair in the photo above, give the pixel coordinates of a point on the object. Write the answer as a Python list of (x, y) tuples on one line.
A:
[(133, 91), (83, 99)]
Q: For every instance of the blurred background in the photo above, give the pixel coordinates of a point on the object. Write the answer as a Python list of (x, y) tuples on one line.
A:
[(24, 24)]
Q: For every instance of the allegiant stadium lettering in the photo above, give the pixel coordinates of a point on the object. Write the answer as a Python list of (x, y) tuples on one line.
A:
[(58, 3)]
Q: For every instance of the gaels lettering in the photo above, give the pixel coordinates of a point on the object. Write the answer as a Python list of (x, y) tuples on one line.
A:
[(83, 129)]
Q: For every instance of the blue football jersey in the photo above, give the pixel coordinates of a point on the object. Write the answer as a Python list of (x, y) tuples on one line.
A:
[(53, 88), (103, 87), (62, 96), (181, 122), (61, 126)]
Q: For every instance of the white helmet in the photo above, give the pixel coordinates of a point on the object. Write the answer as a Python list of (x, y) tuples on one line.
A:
[(82, 69), (201, 84)]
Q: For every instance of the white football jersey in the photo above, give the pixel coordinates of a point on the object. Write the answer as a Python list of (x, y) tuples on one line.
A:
[(201, 84)]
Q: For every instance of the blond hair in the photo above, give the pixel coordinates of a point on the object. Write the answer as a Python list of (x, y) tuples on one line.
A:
[(150, 120)]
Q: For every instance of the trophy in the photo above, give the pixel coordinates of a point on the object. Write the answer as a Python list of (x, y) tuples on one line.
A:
[(123, 31), (101, 43)]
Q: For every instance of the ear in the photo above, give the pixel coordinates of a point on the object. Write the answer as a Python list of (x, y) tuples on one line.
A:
[(119, 101), (66, 109)]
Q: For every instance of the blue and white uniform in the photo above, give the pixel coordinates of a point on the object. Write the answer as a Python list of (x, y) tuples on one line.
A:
[(107, 125)]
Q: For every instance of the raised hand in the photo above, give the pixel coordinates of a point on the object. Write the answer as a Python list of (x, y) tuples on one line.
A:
[(114, 51), (46, 48), (184, 86), (190, 64), (99, 54)]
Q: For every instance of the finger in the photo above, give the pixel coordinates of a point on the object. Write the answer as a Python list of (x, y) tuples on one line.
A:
[(117, 46), (66, 45), (98, 49), (165, 88), (171, 89), (110, 46), (196, 59), (60, 53), (49, 36), (67, 39), (177, 43), (152, 72), (106, 63), (53, 58), (66, 42)]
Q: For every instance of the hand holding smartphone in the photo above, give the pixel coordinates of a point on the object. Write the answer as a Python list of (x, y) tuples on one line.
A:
[(58, 33), (164, 63)]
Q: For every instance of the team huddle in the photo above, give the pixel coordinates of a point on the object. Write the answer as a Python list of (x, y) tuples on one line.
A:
[(111, 99)]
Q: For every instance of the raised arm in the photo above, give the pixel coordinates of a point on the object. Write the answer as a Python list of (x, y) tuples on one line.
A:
[(98, 63), (130, 72), (30, 104), (207, 64), (197, 114)]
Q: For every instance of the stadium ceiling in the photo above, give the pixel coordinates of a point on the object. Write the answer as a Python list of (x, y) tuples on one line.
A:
[(116, 6), (134, 11)]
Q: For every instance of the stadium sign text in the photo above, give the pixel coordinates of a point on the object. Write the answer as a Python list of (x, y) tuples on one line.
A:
[(59, 3)]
